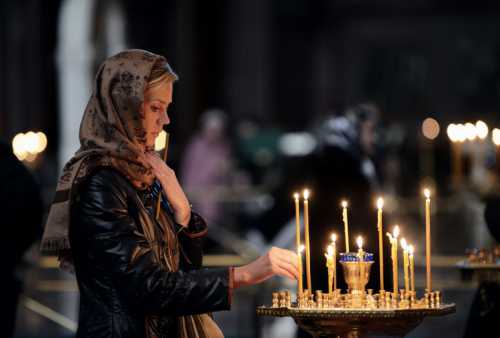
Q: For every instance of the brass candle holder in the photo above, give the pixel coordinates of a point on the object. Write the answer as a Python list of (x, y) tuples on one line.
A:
[(356, 272)]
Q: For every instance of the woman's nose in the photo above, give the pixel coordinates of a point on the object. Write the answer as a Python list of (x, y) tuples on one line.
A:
[(166, 119)]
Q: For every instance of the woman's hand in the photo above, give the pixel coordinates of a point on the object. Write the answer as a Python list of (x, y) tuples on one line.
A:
[(172, 189), (277, 262)]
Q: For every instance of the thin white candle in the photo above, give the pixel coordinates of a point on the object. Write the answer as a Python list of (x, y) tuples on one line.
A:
[(411, 250), (427, 194), (406, 264), (329, 265), (346, 224), (334, 245), (394, 255), (306, 234), (300, 288), (296, 197), (359, 242), (380, 206)]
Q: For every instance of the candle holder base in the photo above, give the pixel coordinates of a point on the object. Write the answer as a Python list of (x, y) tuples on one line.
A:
[(357, 323)]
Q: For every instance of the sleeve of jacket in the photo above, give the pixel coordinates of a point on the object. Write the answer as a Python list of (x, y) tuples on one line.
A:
[(113, 239), (191, 242)]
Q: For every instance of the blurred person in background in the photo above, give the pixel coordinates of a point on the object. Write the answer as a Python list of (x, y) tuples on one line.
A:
[(485, 309), (21, 208), (343, 168), (139, 272), (210, 146)]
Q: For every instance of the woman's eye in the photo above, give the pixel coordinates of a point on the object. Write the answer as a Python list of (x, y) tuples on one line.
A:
[(156, 109)]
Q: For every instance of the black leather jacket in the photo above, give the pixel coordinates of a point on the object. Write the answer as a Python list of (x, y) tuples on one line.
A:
[(116, 294)]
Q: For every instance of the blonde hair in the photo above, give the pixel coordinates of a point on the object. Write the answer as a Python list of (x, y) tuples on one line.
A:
[(161, 72)]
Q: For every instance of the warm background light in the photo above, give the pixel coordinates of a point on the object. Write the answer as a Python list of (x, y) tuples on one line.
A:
[(27, 146), (482, 130), (495, 136), (430, 128), (461, 132), (452, 132), (161, 140), (470, 131)]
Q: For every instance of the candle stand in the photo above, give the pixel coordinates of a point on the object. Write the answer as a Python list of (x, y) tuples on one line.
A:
[(359, 312), (356, 323)]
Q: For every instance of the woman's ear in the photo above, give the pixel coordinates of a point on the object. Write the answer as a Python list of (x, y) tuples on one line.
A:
[(142, 109)]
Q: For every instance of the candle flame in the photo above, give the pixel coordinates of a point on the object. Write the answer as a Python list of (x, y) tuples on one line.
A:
[(427, 193), (359, 242), (296, 195), (380, 203), (396, 231), (404, 244), (306, 194), (334, 237), (411, 249), (330, 250), (301, 248), (344, 204)]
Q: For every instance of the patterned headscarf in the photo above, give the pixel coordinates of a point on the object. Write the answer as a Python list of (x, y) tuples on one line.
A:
[(111, 134)]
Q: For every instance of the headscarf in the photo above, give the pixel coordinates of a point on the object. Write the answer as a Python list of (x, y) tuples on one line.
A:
[(112, 134)]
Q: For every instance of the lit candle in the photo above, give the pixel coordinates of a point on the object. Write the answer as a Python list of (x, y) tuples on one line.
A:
[(427, 194), (346, 224), (300, 289), (380, 205), (306, 235), (359, 242), (411, 250), (330, 262), (394, 255), (296, 197), (406, 264), (334, 245)]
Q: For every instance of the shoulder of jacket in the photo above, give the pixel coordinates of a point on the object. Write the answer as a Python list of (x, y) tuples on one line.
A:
[(109, 178)]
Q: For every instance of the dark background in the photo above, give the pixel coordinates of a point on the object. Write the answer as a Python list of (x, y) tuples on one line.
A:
[(284, 65), (280, 62)]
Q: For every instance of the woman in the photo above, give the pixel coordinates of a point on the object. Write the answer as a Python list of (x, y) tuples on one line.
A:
[(138, 276)]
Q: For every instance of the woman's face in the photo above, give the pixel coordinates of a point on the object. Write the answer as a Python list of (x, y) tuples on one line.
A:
[(156, 102)]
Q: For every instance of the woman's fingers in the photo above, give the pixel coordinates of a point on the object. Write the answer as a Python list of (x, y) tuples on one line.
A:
[(285, 260), (285, 273), (291, 260), (290, 268)]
